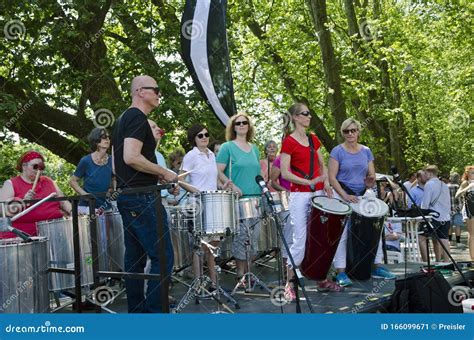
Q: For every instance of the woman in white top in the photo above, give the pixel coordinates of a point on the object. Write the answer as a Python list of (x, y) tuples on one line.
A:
[(201, 163)]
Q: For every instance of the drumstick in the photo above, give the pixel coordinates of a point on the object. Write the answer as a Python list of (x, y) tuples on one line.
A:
[(36, 180), (188, 185), (185, 173), (230, 168)]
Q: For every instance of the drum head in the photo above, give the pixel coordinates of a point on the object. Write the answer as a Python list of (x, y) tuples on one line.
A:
[(370, 207), (331, 205)]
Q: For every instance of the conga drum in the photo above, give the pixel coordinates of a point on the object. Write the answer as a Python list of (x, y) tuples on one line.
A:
[(363, 237), (324, 230)]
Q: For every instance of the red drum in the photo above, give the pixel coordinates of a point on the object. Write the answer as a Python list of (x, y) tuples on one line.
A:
[(324, 230), (363, 237)]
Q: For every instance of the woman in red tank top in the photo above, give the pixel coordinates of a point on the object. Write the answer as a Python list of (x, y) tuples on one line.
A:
[(31, 185)]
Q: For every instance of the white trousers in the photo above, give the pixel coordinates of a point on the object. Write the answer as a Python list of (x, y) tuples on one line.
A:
[(341, 252), (287, 232), (300, 208)]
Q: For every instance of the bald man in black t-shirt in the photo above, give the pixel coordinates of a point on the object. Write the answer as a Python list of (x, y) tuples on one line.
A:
[(135, 166)]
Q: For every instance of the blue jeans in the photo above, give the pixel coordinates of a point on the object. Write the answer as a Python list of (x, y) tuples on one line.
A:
[(141, 240)]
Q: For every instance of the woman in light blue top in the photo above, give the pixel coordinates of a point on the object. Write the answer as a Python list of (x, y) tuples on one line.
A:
[(351, 171), (238, 163)]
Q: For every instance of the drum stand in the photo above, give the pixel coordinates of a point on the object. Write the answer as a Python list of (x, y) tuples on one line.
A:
[(250, 277), (200, 284)]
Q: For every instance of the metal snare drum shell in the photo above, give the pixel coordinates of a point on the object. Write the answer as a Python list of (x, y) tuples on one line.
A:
[(24, 276), (218, 213)]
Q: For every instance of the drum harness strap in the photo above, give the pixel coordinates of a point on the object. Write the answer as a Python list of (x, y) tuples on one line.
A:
[(311, 163)]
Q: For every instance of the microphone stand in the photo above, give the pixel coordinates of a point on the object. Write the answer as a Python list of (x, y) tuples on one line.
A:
[(432, 233), (297, 281)]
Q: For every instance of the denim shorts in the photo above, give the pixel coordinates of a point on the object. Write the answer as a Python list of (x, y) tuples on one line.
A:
[(456, 220)]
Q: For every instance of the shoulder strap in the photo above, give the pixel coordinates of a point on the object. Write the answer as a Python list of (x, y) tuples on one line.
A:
[(439, 195), (311, 156)]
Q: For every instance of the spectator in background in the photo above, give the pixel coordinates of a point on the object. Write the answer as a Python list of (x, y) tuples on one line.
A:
[(417, 191), (436, 197), (456, 209)]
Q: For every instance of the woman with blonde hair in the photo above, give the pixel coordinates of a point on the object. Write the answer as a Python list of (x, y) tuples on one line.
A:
[(238, 165), (302, 164), (351, 172), (466, 190)]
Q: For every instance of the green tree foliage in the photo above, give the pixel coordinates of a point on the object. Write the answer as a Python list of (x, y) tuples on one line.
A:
[(405, 67)]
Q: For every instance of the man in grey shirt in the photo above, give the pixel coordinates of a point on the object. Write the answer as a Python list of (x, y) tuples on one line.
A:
[(436, 197)]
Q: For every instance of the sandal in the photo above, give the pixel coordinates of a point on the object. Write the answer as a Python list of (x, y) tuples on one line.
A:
[(331, 286)]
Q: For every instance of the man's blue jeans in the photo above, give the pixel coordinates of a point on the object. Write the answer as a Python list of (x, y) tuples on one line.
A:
[(139, 218)]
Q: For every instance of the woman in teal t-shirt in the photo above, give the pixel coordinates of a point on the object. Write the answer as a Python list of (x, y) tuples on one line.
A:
[(238, 165)]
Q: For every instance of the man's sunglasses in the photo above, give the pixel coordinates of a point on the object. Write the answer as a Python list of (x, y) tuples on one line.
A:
[(244, 122), (39, 166), (305, 113), (155, 89), (202, 135), (347, 131)]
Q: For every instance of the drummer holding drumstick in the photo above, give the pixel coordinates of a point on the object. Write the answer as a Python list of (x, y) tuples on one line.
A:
[(302, 164), (351, 172), (31, 185), (238, 165), (200, 169)]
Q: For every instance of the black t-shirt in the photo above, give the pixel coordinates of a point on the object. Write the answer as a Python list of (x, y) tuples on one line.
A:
[(133, 124)]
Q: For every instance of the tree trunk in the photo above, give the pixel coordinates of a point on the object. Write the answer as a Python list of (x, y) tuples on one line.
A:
[(330, 63)]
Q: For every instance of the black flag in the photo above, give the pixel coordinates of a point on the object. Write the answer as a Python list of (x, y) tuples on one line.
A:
[(206, 54)]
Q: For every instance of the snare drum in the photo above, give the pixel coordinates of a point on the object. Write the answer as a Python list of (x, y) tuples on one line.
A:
[(367, 221), (218, 213), (250, 207), (24, 276), (179, 238), (268, 238), (61, 250), (115, 245), (324, 230), (280, 202)]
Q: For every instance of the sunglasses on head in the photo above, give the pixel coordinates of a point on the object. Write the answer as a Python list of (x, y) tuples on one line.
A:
[(244, 122), (304, 113), (347, 131), (155, 89), (39, 166), (202, 135)]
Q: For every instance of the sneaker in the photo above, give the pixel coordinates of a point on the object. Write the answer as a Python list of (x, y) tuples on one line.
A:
[(382, 273), (289, 294), (343, 280)]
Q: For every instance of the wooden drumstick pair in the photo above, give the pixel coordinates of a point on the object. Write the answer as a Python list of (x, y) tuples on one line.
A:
[(38, 174)]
